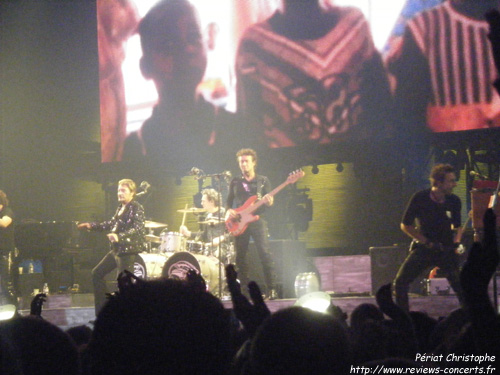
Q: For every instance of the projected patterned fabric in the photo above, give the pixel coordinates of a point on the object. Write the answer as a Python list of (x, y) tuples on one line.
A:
[(444, 69), (304, 91)]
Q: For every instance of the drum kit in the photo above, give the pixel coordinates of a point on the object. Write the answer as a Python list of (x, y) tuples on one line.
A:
[(170, 255)]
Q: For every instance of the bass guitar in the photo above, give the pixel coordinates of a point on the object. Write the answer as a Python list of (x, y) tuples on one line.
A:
[(237, 225)]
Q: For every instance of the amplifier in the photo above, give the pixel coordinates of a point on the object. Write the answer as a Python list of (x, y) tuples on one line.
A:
[(438, 286), (385, 263)]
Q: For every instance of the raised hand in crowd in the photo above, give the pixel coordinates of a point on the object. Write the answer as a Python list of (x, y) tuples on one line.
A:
[(399, 316), (481, 265), (250, 315), (37, 305), (389, 308), (196, 280), (126, 279), (475, 277)]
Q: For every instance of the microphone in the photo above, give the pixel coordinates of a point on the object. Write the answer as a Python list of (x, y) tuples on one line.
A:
[(477, 174), (144, 186)]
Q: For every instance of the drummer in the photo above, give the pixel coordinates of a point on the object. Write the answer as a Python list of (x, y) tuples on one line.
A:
[(212, 232)]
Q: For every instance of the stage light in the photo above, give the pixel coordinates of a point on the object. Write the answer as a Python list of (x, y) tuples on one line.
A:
[(306, 283), (340, 167), (316, 301), (7, 312), (315, 169)]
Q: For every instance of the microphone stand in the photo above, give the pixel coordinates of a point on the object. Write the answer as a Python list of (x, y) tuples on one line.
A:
[(219, 219)]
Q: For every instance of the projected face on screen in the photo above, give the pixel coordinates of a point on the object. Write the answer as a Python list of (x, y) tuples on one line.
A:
[(189, 77)]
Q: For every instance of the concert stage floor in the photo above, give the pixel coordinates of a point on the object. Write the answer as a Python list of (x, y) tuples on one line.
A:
[(69, 310), (350, 281)]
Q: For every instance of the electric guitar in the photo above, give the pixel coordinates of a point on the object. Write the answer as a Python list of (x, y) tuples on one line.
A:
[(457, 248), (237, 225)]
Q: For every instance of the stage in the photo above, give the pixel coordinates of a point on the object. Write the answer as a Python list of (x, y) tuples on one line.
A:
[(69, 310), (349, 280)]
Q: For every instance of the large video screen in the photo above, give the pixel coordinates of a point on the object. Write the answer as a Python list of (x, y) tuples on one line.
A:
[(178, 78)]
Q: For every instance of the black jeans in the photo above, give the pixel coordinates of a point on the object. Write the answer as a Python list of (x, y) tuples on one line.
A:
[(107, 264), (259, 232), (421, 258)]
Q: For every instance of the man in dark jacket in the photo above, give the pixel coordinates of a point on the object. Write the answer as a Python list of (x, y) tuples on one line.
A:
[(125, 235), (243, 187)]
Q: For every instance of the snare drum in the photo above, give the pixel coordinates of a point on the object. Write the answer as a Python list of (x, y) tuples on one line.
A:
[(195, 247), (149, 266), (178, 265), (171, 242)]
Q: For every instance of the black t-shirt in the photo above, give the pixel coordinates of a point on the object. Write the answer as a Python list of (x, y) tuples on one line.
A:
[(436, 219), (7, 234), (240, 190)]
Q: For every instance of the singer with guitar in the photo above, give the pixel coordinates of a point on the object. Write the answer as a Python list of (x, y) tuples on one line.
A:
[(437, 211), (242, 188), (125, 232)]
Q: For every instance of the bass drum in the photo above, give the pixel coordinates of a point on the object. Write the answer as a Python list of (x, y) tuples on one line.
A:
[(149, 266), (178, 265)]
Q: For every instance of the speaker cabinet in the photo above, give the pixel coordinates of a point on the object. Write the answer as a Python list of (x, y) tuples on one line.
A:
[(289, 260), (385, 263)]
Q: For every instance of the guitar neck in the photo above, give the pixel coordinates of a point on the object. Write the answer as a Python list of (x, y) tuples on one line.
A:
[(272, 193)]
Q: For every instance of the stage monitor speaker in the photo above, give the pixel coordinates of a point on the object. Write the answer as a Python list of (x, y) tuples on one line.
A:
[(289, 260), (385, 263)]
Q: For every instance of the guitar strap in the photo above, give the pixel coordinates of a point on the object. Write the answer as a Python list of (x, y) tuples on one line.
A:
[(260, 185)]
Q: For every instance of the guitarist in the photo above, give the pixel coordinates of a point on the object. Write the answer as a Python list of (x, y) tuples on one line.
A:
[(438, 212), (241, 188)]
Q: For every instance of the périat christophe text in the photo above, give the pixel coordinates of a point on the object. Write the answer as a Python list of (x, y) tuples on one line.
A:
[(454, 358)]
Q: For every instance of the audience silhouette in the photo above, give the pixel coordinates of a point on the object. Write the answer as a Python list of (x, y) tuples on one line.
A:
[(40, 347), (158, 327)]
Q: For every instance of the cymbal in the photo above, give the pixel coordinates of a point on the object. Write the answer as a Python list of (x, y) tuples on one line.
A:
[(192, 210), (153, 224), (153, 238), (211, 221)]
